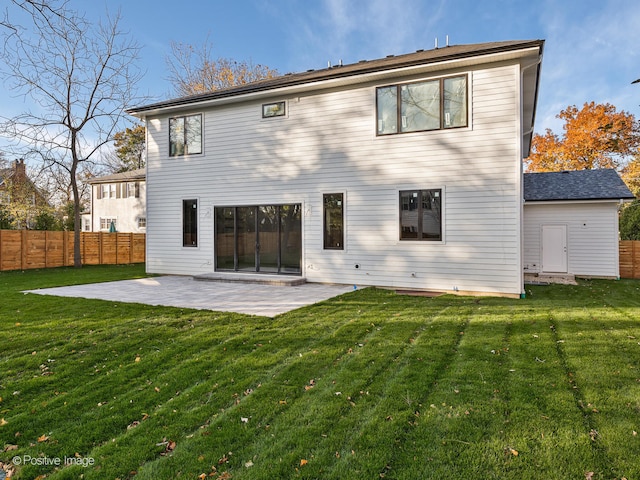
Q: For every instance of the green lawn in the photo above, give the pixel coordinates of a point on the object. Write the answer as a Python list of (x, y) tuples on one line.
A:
[(364, 386)]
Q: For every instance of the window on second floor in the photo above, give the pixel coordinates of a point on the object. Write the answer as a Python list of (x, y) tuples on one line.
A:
[(107, 190), (430, 105), (185, 135)]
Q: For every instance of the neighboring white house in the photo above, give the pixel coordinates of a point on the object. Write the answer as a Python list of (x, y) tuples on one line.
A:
[(118, 202), (571, 222), (401, 172)]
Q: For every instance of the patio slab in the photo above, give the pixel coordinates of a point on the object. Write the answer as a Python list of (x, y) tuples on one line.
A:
[(185, 292)]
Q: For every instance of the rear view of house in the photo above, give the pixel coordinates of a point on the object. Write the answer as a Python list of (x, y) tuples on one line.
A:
[(401, 172)]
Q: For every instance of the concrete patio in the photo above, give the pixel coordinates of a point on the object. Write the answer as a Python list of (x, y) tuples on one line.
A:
[(181, 291)]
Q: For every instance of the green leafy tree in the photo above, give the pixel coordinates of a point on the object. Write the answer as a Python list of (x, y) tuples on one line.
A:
[(6, 221), (47, 220), (130, 145), (630, 221)]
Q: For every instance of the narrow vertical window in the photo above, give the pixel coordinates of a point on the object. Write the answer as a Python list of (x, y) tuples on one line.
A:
[(185, 135), (387, 102), (455, 102), (190, 223), (333, 206)]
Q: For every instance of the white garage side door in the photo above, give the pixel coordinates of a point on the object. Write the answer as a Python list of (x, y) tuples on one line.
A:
[(554, 248)]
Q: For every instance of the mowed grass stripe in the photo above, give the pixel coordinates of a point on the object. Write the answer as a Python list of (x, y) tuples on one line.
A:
[(224, 392), (606, 379), (275, 430)]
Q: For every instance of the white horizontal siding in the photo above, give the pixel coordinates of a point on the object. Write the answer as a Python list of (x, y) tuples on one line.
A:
[(326, 144), (592, 236)]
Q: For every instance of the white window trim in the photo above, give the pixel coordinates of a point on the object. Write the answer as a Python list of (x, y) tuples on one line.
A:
[(443, 222)]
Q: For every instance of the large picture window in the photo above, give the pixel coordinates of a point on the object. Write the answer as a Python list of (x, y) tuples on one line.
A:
[(190, 223), (429, 105), (421, 215), (333, 207), (185, 135)]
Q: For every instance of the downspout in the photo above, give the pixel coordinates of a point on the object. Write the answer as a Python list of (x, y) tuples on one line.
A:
[(537, 63)]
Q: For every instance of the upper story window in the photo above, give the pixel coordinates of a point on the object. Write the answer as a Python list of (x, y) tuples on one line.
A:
[(107, 190), (132, 189), (277, 109), (429, 105), (185, 135)]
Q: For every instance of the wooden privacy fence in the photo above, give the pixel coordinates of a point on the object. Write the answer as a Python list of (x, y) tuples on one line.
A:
[(25, 249), (630, 259)]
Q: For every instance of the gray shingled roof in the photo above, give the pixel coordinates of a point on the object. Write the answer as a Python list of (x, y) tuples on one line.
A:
[(364, 66), (603, 184), (130, 176)]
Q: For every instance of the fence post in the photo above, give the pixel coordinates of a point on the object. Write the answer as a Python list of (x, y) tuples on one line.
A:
[(23, 249), (1, 269)]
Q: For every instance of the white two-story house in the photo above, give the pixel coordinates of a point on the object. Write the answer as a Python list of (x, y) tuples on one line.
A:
[(118, 203), (401, 172)]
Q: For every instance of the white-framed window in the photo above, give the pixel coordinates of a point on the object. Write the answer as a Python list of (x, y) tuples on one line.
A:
[(190, 223), (142, 222), (421, 214), (106, 222), (185, 135), (133, 189), (108, 190), (275, 109)]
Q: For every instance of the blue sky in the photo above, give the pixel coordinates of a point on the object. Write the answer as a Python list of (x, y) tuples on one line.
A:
[(592, 49)]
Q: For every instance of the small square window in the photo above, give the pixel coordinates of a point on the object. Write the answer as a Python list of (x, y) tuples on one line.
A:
[(277, 109)]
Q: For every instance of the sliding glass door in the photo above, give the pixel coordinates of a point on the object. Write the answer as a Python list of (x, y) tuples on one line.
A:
[(261, 238)]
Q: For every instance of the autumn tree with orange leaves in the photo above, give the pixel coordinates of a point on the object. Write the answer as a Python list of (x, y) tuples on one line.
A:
[(596, 136)]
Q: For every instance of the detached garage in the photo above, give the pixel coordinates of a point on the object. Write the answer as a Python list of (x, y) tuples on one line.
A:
[(571, 222)]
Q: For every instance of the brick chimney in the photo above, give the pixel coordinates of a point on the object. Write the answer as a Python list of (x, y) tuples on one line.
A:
[(19, 169)]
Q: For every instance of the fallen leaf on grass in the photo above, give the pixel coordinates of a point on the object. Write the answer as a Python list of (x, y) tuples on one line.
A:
[(137, 358), (3, 422), (589, 475), (42, 438), (9, 448), (303, 462), (169, 446)]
